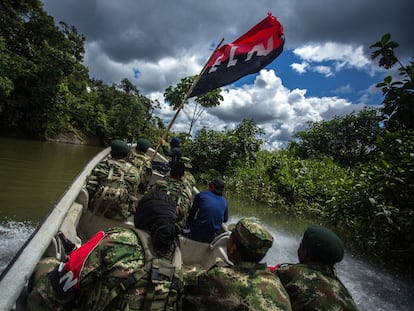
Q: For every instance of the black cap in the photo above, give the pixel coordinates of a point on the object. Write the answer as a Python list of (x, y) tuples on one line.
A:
[(218, 184)]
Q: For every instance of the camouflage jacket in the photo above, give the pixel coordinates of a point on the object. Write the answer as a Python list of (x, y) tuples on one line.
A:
[(113, 188), (315, 287), (117, 271), (181, 194), (143, 164), (245, 286), (189, 180)]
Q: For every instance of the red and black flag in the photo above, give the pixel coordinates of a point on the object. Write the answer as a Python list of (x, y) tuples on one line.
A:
[(248, 54)]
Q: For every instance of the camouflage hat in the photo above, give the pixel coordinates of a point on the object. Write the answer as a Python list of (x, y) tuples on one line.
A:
[(323, 245), (142, 145), (253, 236), (119, 148)]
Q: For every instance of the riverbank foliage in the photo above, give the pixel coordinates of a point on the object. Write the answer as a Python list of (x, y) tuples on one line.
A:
[(353, 173), (45, 89)]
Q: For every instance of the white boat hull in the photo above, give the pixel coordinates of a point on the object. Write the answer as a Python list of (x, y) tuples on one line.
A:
[(71, 216)]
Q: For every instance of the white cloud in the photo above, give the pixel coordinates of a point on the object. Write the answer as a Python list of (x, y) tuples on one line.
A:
[(280, 112), (325, 70), (344, 89), (300, 68), (334, 56), (156, 43), (342, 54)]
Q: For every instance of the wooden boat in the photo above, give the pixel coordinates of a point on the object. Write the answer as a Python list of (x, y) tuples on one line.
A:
[(70, 215)]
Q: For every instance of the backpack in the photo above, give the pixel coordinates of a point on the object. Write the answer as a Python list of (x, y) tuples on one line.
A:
[(113, 187), (181, 195), (161, 277), (144, 168)]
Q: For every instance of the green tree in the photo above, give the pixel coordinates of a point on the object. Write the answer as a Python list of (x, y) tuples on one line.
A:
[(398, 101), (175, 96), (222, 151), (46, 55), (348, 140)]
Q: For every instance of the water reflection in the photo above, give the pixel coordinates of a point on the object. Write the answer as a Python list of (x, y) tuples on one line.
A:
[(371, 287)]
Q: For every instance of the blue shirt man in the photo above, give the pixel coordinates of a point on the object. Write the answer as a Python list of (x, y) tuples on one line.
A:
[(207, 213)]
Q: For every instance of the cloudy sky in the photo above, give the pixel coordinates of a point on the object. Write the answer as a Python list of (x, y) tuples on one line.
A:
[(325, 69)]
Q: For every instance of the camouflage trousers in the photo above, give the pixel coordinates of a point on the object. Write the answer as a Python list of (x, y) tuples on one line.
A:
[(41, 296)]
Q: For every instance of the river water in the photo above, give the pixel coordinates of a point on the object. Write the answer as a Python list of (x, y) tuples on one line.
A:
[(33, 175)]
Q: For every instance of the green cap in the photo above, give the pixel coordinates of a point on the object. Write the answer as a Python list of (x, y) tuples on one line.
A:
[(253, 236), (323, 245), (143, 145), (119, 148)]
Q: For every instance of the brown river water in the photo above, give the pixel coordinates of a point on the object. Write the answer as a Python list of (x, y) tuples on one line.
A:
[(33, 175)]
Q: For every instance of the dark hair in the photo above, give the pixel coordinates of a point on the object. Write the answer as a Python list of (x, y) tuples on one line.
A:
[(245, 253), (177, 169), (218, 184), (154, 207), (163, 235)]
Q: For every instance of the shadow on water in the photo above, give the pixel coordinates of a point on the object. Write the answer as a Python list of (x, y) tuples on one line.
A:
[(371, 287)]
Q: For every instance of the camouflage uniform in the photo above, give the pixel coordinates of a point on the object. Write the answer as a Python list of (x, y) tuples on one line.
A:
[(245, 286), (312, 284), (188, 180), (113, 188), (41, 295), (143, 164), (181, 195), (314, 287), (114, 276)]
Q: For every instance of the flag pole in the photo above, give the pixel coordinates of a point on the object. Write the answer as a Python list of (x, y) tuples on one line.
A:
[(185, 99)]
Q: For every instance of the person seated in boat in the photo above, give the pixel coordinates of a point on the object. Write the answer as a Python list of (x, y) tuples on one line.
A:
[(174, 186), (247, 285), (113, 184), (174, 152), (117, 269), (207, 213), (142, 162), (312, 283)]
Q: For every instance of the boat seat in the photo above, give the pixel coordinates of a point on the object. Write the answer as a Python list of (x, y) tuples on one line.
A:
[(201, 255)]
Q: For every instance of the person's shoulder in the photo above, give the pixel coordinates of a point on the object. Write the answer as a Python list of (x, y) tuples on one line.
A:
[(290, 267), (122, 234)]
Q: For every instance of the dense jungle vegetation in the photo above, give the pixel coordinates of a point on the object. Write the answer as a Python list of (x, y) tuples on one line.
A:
[(354, 173)]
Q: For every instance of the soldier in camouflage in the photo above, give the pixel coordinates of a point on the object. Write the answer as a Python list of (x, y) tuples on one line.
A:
[(143, 163), (117, 269), (312, 284), (113, 184), (188, 178), (174, 186), (248, 285)]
